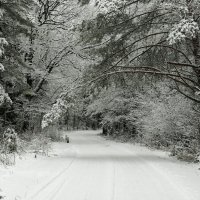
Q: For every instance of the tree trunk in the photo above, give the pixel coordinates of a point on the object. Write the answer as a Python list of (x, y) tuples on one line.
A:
[(42, 80), (196, 53), (74, 122)]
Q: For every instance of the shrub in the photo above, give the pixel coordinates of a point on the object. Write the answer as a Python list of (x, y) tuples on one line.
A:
[(40, 144), (9, 146), (168, 120)]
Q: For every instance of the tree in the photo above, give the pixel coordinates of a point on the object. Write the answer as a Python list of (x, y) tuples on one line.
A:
[(148, 30), (40, 56), (15, 22), (140, 43)]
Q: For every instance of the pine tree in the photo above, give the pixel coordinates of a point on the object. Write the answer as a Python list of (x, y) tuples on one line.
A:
[(15, 23)]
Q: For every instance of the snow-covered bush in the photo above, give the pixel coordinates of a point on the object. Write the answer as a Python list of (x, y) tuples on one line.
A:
[(167, 119), (8, 146), (10, 140), (40, 144), (53, 133)]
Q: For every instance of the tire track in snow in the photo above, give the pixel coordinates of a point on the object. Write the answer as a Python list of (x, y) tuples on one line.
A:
[(145, 167), (113, 180), (64, 183), (58, 188), (52, 180), (77, 179), (110, 171)]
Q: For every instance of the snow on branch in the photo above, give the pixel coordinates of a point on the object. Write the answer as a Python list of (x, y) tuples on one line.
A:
[(3, 42), (1, 13), (56, 111), (106, 6), (4, 98), (2, 68), (180, 8), (186, 28)]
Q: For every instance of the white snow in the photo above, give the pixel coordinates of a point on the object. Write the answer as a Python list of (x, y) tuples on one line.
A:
[(93, 168)]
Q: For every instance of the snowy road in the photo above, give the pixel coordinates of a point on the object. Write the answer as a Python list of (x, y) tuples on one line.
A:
[(92, 168)]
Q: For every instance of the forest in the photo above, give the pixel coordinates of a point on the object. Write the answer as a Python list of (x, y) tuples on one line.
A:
[(99, 99), (130, 67)]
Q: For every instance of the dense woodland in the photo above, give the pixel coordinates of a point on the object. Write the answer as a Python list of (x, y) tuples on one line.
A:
[(130, 67)]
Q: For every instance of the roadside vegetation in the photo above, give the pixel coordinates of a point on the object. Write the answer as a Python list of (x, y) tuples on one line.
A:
[(129, 67)]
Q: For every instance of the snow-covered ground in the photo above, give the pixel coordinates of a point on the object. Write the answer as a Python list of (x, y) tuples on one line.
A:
[(92, 168)]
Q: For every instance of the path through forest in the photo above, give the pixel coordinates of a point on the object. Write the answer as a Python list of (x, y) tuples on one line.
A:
[(93, 168)]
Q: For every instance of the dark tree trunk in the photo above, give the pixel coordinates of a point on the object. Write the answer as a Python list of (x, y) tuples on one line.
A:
[(104, 130), (196, 53)]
